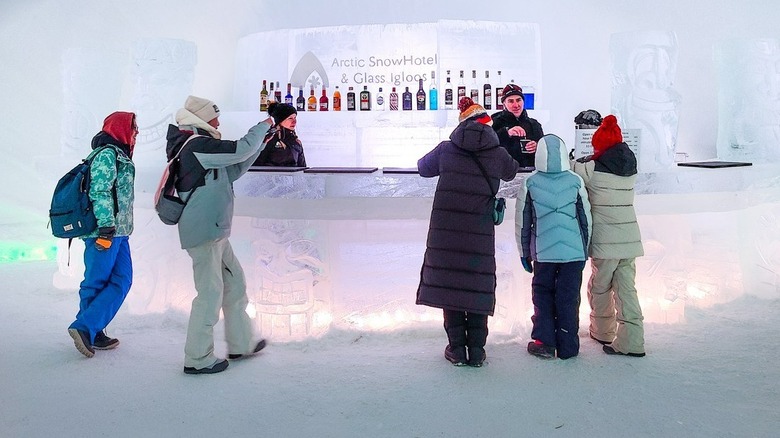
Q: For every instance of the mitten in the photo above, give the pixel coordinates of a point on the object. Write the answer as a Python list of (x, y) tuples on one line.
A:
[(526, 261), (105, 235), (585, 159)]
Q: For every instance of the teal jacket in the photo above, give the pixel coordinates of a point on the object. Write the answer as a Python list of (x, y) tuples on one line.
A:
[(112, 171), (552, 218)]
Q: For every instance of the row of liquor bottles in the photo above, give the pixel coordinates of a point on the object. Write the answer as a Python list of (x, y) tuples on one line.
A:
[(366, 100)]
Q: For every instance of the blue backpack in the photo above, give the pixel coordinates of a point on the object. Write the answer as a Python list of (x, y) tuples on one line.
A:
[(71, 213)]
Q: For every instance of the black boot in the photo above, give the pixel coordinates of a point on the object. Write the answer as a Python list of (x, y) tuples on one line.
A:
[(455, 326), (476, 338), (103, 342)]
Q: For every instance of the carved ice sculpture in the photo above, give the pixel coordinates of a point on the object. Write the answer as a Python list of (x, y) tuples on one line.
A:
[(748, 100), (163, 72), (643, 97), (91, 86)]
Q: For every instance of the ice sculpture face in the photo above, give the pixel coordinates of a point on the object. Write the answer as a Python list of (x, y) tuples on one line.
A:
[(91, 85), (748, 100), (163, 72), (644, 65)]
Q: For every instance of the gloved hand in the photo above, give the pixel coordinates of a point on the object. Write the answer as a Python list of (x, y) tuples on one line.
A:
[(526, 261), (585, 159), (105, 235)]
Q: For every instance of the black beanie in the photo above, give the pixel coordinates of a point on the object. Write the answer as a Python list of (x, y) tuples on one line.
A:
[(280, 111)]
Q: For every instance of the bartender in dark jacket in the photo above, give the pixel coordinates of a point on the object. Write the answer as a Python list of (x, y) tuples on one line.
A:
[(517, 132), (282, 146)]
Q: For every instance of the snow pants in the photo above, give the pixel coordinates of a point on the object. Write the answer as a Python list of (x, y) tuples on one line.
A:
[(615, 315), (555, 291), (108, 275), (220, 285)]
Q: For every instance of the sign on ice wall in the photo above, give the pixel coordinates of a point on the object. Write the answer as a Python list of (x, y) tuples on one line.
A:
[(583, 146), (392, 55)]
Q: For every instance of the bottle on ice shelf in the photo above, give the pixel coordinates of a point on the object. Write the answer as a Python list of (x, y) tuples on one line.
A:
[(433, 93), (406, 98), (487, 92), (380, 100), (393, 100), (311, 102), (461, 89), (288, 99), (474, 92), (421, 97), (278, 93), (351, 104), (264, 97), (300, 103), (365, 99), (324, 101), (499, 93), (337, 99), (448, 93)]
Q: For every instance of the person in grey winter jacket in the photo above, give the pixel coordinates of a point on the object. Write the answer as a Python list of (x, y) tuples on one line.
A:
[(609, 175), (552, 228), (208, 168), (459, 268)]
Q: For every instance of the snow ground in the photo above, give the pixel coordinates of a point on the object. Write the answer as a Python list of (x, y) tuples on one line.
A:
[(714, 376)]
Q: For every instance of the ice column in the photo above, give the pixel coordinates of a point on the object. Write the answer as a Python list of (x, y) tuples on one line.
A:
[(748, 99), (643, 70)]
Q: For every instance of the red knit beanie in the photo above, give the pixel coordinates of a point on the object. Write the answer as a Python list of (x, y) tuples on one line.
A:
[(608, 135)]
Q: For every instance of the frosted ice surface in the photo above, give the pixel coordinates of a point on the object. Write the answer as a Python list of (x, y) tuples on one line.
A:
[(748, 99), (644, 65)]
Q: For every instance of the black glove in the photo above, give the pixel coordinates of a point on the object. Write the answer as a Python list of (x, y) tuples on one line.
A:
[(585, 159), (526, 261), (105, 235)]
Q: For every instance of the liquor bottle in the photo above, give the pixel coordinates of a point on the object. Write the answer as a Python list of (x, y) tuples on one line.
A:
[(337, 99), (448, 93), (393, 100), (271, 92), (264, 98), (350, 100), (406, 98), (365, 99), (278, 93), (324, 100), (311, 103), (499, 93), (461, 89), (380, 100), (487, 92), (288, 99), (421, 97), (300, 103), (474, 87), (433, 93)]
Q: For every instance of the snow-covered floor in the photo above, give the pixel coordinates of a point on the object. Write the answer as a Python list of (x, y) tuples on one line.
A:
[(717, 375)]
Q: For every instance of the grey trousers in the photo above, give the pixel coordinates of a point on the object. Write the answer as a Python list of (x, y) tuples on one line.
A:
[(220, 284), (615, 314)]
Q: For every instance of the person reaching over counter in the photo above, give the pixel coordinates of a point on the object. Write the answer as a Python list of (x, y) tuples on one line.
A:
[(517, 132), (282, 146)]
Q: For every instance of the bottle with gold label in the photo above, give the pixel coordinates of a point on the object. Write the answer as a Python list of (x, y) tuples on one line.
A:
[(337, 99), (264, 97), (311, 102)]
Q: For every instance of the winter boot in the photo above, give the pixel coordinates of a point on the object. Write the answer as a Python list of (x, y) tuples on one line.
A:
[(260, 345), (103, 342), (611, 351), (476, 338), (455, 326), (81, 341), (538, 349), (216, 368)]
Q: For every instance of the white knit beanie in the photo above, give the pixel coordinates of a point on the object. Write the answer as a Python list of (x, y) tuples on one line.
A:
[(205, 109)]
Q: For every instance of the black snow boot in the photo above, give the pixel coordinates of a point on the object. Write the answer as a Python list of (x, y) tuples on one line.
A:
[(455, 326), (103, 342), (476, 338)]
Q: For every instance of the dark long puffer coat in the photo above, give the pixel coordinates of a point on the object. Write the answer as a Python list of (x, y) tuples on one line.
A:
[(459, 269)]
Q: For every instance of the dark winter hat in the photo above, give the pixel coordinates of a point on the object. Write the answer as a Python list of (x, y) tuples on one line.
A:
[(512, 90), (280, 111), (588, 118), (608, 135)]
